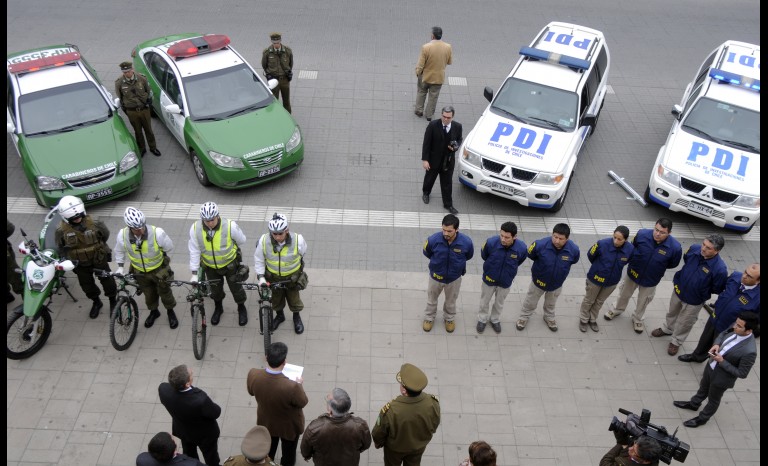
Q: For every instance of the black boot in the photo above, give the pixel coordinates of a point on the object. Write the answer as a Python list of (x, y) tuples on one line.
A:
[(153, 315), (218, 310), (172, 320), (95, 308), (242, 314), (298, 325), (279, 319), (10, 298)]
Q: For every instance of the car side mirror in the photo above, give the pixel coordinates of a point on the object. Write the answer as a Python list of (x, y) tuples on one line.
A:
[(677, 111), (488, 93), (272, 83), (117, 102), (10, 128), (173, 108)]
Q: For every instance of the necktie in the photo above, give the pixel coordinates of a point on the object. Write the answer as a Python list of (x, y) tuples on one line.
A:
[(741, 288), (445, 128)]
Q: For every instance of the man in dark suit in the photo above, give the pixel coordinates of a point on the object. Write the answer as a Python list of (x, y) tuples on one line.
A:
[(161, 451), (732, 356), (442, 139), (280, 403), (194, 415)]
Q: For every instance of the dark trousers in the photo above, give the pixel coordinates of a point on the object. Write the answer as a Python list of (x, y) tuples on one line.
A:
[(141, 120), (155, 288), (393, 458), (708, 392), (284, 88), (13, 278), (227, 273), (446, 182), (288, 457), (87, 281), (209, 447), (706, 340)]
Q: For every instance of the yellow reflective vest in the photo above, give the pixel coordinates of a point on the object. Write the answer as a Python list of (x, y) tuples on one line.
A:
[(284, 262), (218, 251), (149, 257)]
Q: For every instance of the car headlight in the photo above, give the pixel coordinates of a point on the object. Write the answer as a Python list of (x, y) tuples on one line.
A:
[(471, 158), (49, 183), (668, 175), (294, 141), (225, 160), (549, 178), (750, 202), (129, 161)]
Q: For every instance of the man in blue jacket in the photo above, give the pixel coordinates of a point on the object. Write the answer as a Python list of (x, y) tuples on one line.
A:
[(502, 255), (448, 252), (656, 251), (608, 256), (552, 260), (703, 275), (742, 293)]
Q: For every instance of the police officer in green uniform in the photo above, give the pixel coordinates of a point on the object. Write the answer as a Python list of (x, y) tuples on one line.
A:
[(406, 424), (277, 61), (83, 239), (255, 448), (146, 247), (13, 278), (136, 100)]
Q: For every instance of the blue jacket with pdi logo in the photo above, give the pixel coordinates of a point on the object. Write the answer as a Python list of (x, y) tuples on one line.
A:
[(447, 262), (501, 263), (551, 266), (699, 278), (608, 261), (731, 302), (650, 261)]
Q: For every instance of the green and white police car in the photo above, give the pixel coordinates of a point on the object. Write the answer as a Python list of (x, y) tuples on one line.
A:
[(66, 128), (220, 110)]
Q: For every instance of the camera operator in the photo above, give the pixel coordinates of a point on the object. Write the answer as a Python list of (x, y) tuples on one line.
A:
[(631, 451)]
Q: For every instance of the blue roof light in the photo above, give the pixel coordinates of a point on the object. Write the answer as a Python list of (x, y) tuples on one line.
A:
[(733, 78), (555, 58)]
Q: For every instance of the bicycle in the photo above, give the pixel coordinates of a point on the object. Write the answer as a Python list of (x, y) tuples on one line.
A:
[(124, 317), (197, 291), (265, 307)]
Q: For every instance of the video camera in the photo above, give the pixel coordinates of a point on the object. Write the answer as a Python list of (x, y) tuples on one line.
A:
[(635, 426)]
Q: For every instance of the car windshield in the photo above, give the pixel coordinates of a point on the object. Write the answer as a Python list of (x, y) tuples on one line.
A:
[(725, 124), (62, 109), (537, 105), (224, 93)]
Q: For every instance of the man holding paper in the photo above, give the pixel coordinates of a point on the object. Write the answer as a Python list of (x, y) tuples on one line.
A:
[(280, 402)]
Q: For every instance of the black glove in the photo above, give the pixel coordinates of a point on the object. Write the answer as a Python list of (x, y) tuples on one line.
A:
[(269, 76), (149, 101), (289, 75)]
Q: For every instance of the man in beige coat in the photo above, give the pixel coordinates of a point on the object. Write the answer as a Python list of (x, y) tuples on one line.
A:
[(430, 71)]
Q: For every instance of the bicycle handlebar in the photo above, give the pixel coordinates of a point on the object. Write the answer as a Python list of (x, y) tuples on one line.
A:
[(197, 283), (270, 285), (104, 273)]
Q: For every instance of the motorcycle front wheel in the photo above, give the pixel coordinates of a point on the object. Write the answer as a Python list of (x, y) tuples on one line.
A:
[(24, 338)]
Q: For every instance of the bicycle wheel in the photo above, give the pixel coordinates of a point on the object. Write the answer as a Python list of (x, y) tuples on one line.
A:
[(265, 314), (123, 323), (198, 331), (21, 342)]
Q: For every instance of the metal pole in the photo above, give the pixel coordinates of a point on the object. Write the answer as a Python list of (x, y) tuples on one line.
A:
[(628, 188)]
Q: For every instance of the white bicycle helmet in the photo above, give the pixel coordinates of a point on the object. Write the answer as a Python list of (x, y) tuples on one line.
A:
[(209, 211), (278, 224), (71, 207), (134, 218)]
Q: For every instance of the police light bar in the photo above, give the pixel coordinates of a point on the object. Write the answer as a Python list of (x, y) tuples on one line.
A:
[(555, 58), (733, 78), (198, 45), (43, 63)]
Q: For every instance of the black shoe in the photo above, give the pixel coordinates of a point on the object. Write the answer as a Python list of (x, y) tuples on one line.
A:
[(172, 320), (694, 422), (218, 310), (429, 119), (425, 198), (153, 315), (496, 326), (97, 305), (279, 319), (685, 405), (298, 325), (143, 152), (690, 357), (452, 209), (156, 152), (242, 314), (480, 327)]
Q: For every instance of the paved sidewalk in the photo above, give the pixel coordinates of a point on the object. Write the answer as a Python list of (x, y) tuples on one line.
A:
[(539, 398)]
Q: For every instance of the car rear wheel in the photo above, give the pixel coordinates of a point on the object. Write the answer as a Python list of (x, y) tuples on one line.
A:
[(202, 177)]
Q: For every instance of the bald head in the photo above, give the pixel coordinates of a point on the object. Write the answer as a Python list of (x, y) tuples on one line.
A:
[(751, 275)]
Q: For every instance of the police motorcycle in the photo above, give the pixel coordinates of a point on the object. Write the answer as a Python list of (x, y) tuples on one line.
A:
[(42, 272)]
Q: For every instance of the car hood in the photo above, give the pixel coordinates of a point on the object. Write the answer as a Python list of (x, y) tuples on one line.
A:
[(249, 135), (524, 146), (713, 164), (67, 155)]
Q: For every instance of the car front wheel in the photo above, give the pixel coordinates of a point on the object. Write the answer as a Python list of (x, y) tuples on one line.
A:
[(202, 177)]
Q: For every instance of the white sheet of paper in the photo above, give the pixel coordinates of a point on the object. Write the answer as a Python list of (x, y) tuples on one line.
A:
[(292, 371)]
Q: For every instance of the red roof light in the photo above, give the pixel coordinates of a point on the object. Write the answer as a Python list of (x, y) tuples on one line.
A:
[(43, 63), (198, 45)]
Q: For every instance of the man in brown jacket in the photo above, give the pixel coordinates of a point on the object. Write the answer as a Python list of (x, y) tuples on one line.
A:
[(337, 437), (280, 402), (430, 71)]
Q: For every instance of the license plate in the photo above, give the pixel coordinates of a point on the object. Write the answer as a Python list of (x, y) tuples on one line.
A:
[(269, 171), (503, 188), (700, 208), (101, 193)]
